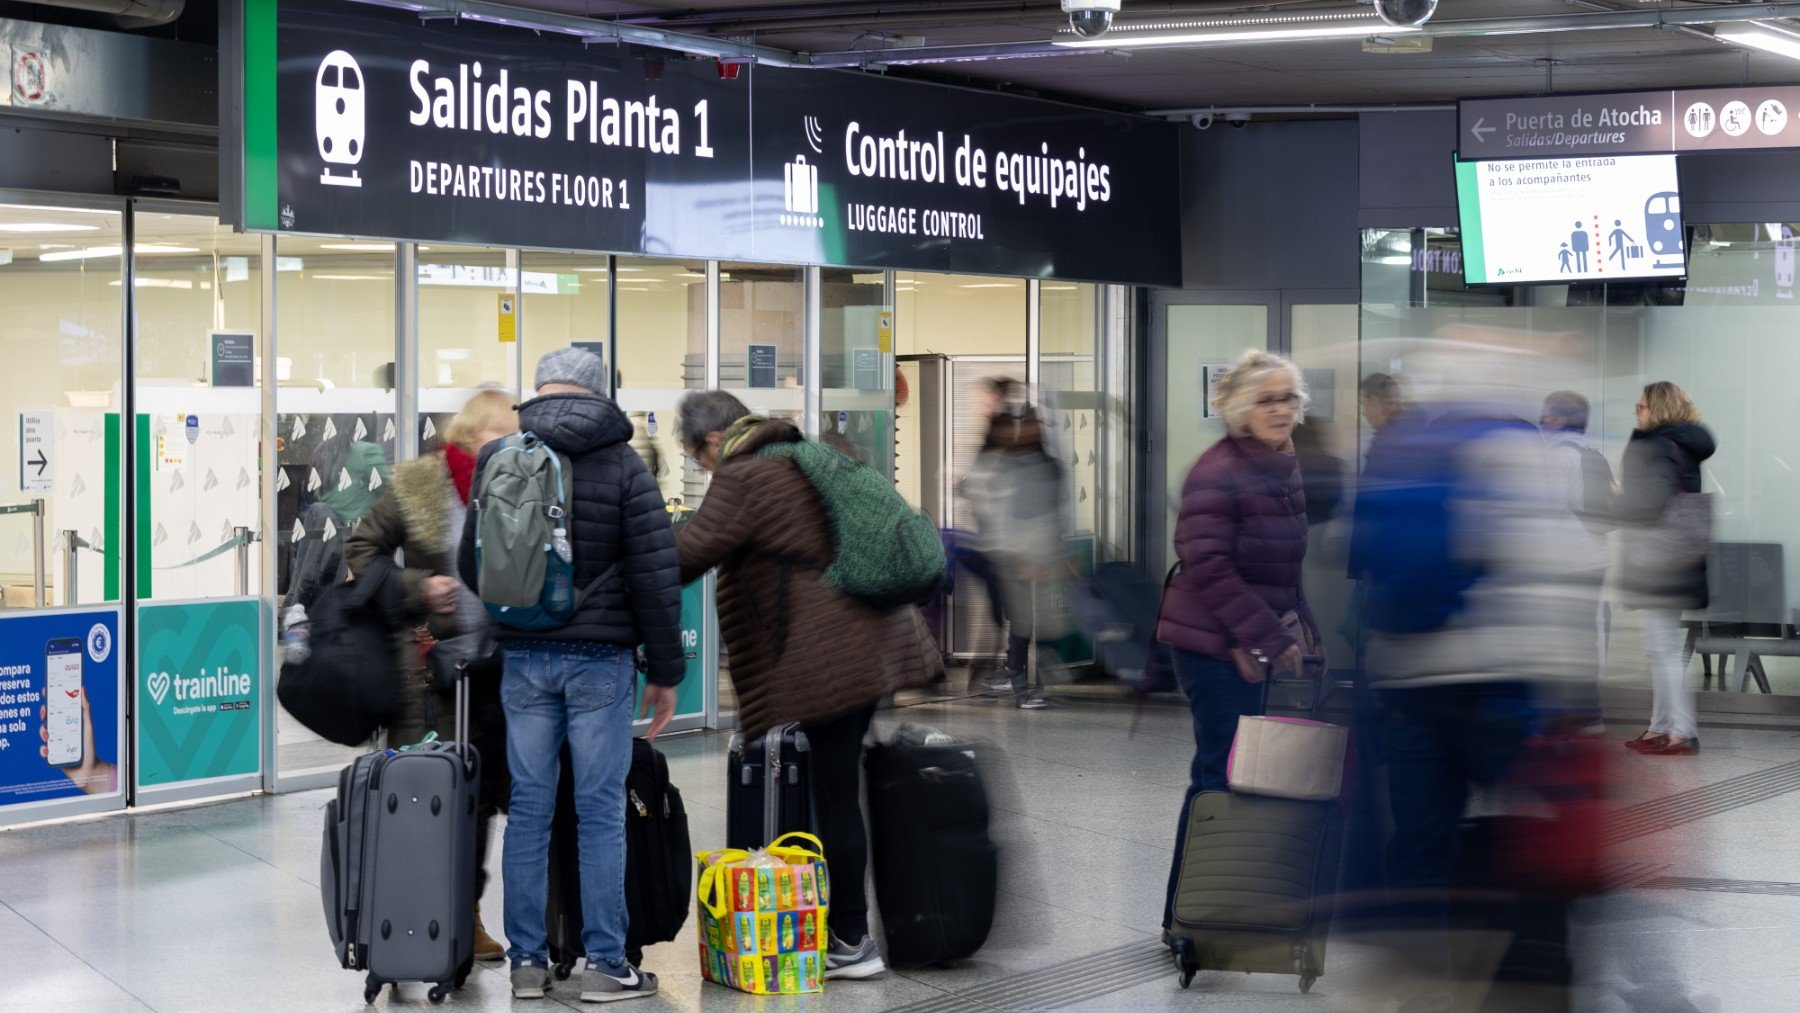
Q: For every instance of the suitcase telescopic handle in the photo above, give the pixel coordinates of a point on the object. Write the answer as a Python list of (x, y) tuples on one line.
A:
[(462, 711), (1312, 671)]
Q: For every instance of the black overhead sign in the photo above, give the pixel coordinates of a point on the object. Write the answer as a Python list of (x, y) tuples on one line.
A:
[(1627, 123), (359, 120)]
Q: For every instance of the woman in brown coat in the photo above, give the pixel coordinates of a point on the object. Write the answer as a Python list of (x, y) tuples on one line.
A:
[(799, 650), (420, 515)]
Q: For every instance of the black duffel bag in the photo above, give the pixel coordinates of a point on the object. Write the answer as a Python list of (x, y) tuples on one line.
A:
[(346, 688)]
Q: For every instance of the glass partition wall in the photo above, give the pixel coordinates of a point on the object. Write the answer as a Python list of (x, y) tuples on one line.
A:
[(63, 508), (278, 380), (1724, 335)]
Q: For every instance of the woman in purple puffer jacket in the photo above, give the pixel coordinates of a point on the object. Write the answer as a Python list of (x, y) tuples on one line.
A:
[(1233, 612)]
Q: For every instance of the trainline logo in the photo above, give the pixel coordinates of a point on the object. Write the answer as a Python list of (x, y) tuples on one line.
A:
[(207, 686)]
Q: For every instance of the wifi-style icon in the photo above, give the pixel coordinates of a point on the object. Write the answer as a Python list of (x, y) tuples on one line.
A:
[(815, 135)]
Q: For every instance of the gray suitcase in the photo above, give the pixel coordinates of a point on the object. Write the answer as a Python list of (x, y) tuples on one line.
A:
[(1257, 884), (398, 863)]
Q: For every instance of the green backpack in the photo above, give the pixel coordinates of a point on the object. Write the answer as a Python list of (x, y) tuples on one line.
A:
[(885, 553)]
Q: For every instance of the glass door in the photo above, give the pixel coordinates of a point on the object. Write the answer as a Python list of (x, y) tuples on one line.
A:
[(1194, 337), (62, 552), (856, 333), (1322, 338), (335, 420), (197, 682)]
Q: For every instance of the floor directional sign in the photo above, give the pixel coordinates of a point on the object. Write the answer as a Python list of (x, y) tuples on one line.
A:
[(35, 431)]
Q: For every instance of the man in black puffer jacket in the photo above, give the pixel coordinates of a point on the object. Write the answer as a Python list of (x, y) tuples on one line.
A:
[(576, 682)]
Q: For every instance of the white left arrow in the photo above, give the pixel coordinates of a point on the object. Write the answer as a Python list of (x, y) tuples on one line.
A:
[(1481, 129)]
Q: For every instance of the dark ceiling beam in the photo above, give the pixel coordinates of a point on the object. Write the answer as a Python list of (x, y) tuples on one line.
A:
[(865, 15), (1669, 19)]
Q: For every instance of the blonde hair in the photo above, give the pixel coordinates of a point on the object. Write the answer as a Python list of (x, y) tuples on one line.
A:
[(1237, 392), (1668, 404), (486, 411)]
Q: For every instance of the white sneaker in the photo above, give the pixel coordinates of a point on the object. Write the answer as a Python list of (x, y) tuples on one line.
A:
[(853, 962)]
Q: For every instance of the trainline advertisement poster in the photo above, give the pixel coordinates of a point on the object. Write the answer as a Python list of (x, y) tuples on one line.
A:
[(60, 726), (199, 700)]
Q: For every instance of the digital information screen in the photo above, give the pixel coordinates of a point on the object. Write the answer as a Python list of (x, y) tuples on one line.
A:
[(1570, 220)]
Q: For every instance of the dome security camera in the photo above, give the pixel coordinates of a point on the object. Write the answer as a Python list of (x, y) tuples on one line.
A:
[(1090, 18), (1201, 121), (1406, 13)]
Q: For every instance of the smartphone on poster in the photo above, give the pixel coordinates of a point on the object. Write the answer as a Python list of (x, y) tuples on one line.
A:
[(62, 704)]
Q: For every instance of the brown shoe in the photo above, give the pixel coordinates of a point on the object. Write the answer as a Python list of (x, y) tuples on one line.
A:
[(1675, 747), (1649, 742), (487, 948)]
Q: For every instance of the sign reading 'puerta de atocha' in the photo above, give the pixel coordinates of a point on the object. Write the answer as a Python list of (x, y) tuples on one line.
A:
[(1628, 123), (361, 120)]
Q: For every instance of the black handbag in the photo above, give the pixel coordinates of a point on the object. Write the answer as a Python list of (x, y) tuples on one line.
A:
[(472, 655), (347, 688)]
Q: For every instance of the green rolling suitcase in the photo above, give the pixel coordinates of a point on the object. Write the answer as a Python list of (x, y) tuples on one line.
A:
[(1256, 885)]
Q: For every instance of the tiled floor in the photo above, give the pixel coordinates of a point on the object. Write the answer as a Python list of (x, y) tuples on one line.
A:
[(217, 907)]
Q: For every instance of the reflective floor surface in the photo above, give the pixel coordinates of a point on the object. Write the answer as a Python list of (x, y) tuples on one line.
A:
[(217, 907)]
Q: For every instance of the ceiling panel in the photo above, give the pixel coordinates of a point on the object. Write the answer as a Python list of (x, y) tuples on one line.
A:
[(1331, 72)]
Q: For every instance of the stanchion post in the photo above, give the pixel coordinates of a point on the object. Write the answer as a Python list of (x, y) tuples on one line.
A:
[(244, 540), (71, 545), (37, 553)]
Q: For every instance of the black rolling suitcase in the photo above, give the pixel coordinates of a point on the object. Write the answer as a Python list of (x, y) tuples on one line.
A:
[(1257, 884), (397, 869), (659, 862), (937, 872), (769, 791)]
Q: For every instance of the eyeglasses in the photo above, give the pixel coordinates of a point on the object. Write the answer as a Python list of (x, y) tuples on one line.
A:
[(1279, 401), (1641, 407)]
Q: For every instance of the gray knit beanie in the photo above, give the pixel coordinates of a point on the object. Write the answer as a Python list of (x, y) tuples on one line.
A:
[(577, 366)]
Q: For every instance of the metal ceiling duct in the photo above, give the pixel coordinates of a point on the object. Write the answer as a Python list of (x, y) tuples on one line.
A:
[(128, 13)]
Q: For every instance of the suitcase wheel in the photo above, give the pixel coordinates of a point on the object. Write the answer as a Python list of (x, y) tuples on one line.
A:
[(1303, 967), (563, 970), (371, 990), (437, 993), (1185, 959)]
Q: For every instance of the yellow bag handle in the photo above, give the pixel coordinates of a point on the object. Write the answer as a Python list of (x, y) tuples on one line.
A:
[(817, 852), (714, 893)]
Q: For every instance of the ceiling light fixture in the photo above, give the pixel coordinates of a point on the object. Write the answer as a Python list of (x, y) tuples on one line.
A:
[(1762, 35), (140, 249), (1295, 28), (40, 208), (29, 227)]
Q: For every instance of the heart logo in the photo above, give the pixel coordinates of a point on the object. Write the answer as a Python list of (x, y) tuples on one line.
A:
[(159, 686)]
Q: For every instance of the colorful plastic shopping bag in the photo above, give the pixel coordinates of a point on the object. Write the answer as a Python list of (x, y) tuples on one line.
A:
[(762, 917)]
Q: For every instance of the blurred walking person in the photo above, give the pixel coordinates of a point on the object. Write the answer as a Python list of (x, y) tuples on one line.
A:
[(1015, 491), (1584, 480), (1666, 533), (1475, 631), (800, 650), (1233, 611)]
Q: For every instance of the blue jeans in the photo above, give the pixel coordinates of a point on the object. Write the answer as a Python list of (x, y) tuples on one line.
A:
[(581, 693), (1218, 696)]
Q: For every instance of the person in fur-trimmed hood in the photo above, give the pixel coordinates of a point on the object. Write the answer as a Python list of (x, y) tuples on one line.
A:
[(420, 516)]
